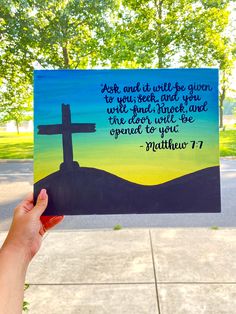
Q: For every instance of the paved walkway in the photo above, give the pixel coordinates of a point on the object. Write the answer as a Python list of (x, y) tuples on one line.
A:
[(134, 271)]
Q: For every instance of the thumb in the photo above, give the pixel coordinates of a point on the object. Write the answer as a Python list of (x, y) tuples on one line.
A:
[(42, 202)]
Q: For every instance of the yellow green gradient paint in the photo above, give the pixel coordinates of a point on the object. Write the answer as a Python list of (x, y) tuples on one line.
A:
[(123, 156)]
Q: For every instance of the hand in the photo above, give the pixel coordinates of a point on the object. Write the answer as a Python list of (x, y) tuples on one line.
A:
[(28, 227)]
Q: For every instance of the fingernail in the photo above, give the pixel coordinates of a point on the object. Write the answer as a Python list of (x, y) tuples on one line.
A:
[(43, 194)]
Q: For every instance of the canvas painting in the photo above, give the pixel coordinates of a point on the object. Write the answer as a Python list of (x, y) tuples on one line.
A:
[(127, 141)]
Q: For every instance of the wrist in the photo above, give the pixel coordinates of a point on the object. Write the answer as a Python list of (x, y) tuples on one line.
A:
[(16, 253)]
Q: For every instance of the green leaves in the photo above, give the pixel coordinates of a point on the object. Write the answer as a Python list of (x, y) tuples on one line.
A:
[(79, 34), (162, 33), (16, 98), (25, 306), (73, 34)]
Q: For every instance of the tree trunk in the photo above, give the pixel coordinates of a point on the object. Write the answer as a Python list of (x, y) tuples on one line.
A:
[(221, 117), (17, 127), (160, 47), (222, 98), (66, 57)]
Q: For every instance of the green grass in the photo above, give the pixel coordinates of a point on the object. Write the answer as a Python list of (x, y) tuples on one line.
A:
[(228, 143), (214, 228), (14, 146), (117, 227), (25, 306)]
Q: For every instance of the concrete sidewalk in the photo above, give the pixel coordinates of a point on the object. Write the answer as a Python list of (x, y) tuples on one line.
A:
[(165, 271)]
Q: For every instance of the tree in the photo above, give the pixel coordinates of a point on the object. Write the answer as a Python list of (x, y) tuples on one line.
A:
[(163, 33), (16, 101), (210, 27), (70, 34), (15, 62), (17, 41), (145, 33), (133, 33), (53, 34)]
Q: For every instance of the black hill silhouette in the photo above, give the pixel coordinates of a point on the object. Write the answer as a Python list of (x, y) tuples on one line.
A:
[(75, 190), (92, 191)]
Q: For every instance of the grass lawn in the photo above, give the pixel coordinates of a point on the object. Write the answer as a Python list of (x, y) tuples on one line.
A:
[(14, 146), (228, 143)]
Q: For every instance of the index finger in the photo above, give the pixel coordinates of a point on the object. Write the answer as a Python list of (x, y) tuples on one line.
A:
[(29, 197), (28, 202)]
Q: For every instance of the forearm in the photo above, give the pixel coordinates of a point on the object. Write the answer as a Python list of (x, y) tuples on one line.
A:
[(13, 266), (22, 243)]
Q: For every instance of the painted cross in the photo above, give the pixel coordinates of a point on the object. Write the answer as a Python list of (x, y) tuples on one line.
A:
[(66, 128)]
